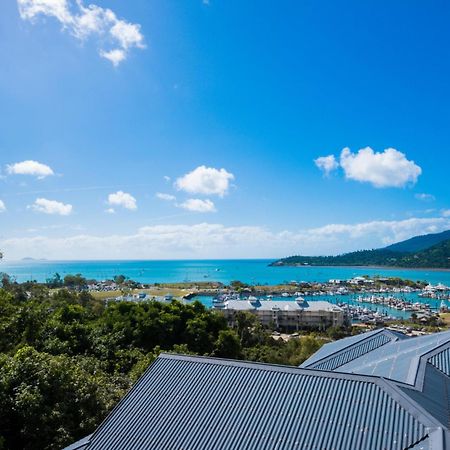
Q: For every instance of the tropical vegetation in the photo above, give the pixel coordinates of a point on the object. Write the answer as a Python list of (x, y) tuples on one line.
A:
[(67, 358)]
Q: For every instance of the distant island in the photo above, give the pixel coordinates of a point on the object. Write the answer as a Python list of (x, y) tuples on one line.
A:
[(427, 251)]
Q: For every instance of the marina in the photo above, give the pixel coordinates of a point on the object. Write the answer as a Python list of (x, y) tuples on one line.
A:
[(370, 308)]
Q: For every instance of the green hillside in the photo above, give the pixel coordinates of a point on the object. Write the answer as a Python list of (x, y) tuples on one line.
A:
[(419, 243), (436, 256)]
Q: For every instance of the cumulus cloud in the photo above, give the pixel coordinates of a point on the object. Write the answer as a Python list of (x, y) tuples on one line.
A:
[(165, 197), (207, 240), (326, 164), (46, 206), (115, 56), (380, 231), (425, 197), (198, 205), (29, 167), (88, 21), (205, 180), (2, 206), (389, 168), (122, 199), (445, 212)]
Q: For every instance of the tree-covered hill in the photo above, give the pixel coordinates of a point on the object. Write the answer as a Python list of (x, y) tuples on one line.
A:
[(418, 243), (436, 256)]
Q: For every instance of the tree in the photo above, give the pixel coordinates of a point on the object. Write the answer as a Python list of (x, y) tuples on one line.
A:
[(75, 281), (55, 282), (49, 401), (227, 345), (119, 279)]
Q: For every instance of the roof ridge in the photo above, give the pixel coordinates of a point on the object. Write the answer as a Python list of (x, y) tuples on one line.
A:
[(354, 344), (424, 359), (269, 366)]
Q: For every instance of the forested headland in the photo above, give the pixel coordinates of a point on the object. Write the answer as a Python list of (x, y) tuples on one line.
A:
[(437, 256)]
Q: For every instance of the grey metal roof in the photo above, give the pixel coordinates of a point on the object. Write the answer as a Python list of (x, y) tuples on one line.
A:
[(434, 394), (79, 445), (196, 403), (336, 354), (191, 403), (399, 360), (282, 305), (441, 361)]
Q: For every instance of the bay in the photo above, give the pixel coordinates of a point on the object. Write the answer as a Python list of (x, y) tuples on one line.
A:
[(252, 271)]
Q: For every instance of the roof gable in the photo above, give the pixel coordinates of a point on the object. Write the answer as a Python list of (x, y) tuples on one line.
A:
[(335, 354)]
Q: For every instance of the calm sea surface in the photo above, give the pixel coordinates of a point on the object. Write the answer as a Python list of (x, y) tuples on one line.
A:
[(248, 271)]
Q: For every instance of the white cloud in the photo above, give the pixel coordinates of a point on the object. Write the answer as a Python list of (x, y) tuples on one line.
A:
[(166, 178), (2, 206), (445, 212), (110, 210), (326, 164), (425, 197), (205, 180), (389, 168), (88, 21), (29, 167), (116, 56), (127, 34), (165, 197), (46, 206), (198, 205), (206, 240), (123, 199), (28, 9), (381, 232)]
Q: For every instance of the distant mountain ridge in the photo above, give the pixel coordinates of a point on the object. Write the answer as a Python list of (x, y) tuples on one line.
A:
[(427, 251)]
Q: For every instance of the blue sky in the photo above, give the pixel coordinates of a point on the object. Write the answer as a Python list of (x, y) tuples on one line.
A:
[(225, 107)]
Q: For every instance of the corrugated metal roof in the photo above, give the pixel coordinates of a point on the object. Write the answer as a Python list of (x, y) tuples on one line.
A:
[(398, 361), (434, 394), (193, 403), (441, 361), (335, 354), (355, 351), (79, 445)]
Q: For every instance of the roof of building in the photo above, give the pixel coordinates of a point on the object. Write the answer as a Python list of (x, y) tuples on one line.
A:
[(281, 305), (399, 360), (335, 354), (193, 403), (385, 353)]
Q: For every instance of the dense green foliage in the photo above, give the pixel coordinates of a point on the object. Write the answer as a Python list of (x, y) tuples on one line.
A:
[(437, 256), (66, 358), (419, 243)]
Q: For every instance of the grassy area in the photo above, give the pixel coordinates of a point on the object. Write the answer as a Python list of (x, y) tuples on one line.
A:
[(154, 291), (445, 318)]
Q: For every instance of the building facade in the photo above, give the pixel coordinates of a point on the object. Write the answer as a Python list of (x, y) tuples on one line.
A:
[(285, 314)]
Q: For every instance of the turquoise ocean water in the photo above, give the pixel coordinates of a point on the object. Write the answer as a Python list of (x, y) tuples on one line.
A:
[(248, 271)]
